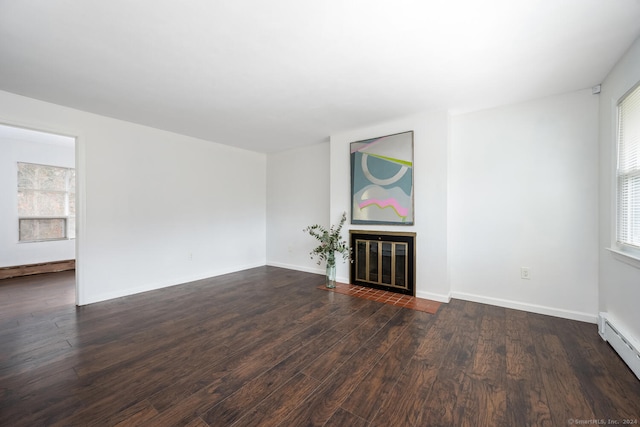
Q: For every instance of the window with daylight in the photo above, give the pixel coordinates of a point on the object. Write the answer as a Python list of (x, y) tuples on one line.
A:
[(628, 171), (46, 202)]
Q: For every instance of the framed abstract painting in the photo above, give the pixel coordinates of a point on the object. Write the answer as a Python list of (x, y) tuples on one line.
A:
[(382, 180)]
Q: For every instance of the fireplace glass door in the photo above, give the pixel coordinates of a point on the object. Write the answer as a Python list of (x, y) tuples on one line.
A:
[(383, 261)]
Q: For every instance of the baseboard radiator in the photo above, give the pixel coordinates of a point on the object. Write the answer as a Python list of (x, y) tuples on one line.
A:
[(621, 341), (45, 267)]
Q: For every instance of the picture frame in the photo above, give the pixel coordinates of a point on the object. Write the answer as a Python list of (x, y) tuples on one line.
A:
[(382, 180)]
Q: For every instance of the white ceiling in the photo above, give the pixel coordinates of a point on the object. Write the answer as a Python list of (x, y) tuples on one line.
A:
[(272, 75)]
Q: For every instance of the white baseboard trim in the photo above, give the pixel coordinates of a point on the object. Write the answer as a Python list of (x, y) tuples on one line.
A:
[(426, 295), (625, 344), (533, 308), (318, 270), (434, 297), (165, 284)]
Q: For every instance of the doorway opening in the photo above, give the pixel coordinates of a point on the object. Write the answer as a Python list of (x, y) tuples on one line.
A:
[(38, 199)]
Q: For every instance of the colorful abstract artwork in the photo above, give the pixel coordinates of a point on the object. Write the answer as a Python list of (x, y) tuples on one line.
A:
[(382, 180)]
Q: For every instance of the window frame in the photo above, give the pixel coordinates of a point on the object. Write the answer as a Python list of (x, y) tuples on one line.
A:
[(68, 195), (623, 251)]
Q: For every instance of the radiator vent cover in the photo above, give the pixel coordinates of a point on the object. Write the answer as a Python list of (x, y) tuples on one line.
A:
[(621, 341)]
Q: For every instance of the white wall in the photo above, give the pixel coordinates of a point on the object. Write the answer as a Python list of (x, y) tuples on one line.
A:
[(430, 199), (509, 187), (155, 208), (524, 193), (12, 151), (619, 281), (297, 196), (495, 190)]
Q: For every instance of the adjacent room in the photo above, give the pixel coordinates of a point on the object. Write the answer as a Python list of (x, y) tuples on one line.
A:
[(161, 164)]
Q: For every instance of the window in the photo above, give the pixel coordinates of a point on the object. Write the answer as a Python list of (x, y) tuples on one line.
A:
[(46, 202), (628, 204)]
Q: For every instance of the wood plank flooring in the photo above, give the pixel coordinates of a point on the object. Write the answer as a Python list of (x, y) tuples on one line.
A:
[(387, 297), (265, 347)]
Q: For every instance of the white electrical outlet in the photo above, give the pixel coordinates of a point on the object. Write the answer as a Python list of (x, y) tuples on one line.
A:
[(525, 273)]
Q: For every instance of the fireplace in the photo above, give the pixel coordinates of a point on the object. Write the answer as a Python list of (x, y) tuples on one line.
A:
[(384, 260)]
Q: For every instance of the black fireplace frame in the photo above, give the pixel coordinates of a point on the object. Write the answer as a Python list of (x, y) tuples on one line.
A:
[(392, 237)]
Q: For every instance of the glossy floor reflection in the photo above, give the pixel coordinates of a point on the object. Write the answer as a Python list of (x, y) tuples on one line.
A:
[(386, 297)]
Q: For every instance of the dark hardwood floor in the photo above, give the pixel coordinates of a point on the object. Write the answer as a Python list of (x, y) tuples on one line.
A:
[(264, 347)]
